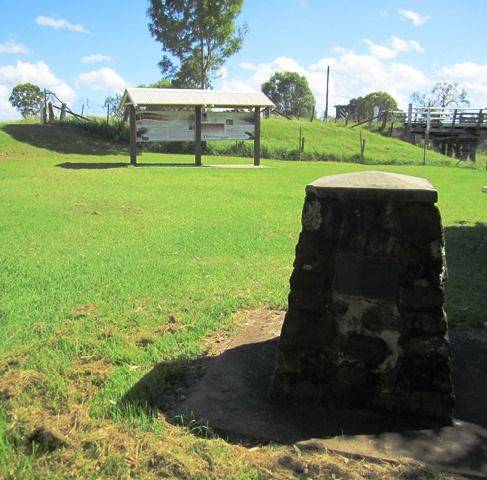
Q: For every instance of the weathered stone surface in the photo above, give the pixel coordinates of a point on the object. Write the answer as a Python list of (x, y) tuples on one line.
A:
[(374, 186), (365, 325)]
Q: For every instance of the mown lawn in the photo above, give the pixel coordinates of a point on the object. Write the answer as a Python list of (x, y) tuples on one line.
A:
[(106, 270)]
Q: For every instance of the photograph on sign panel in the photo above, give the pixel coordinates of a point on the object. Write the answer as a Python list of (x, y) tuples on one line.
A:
[(179, 126)]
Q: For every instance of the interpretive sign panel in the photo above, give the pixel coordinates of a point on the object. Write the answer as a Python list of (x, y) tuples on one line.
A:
[(179, 126)]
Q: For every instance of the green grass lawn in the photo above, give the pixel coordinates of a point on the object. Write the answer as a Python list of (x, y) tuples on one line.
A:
[(106, 271)]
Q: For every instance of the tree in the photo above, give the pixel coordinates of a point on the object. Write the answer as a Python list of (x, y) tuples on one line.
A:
[(162, 83), (26, 98), (113, 102), (290, 93), (363, 107), (443, 94), (197, 36)]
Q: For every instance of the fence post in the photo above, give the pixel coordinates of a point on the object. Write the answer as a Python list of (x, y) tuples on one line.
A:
[(133, 136), (410, 119), (427, 133), (257, 137), (51, 112), (197, 144)]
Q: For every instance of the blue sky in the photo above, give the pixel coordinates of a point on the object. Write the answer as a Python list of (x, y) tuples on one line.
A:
[(86, 50)]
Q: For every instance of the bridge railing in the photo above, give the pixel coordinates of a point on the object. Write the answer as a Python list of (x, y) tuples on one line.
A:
[(433, 117)]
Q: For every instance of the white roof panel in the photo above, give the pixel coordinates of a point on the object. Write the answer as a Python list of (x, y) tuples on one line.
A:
[(185, 97)]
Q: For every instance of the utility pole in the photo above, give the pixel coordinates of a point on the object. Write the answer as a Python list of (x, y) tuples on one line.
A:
[(327, 84)]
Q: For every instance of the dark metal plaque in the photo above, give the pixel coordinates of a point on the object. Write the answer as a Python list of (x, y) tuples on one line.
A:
[(365, 275)]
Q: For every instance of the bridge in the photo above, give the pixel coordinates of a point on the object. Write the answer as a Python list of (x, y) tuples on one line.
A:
[(452, 131)]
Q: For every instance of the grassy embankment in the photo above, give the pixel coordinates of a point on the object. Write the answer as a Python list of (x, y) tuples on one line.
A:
[(280, 140), (107, 270)]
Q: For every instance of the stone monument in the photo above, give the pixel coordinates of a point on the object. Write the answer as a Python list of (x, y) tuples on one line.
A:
[(365, 327)]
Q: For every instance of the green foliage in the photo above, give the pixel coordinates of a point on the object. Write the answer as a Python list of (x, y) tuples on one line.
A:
[(443, 94), (115, 130), (362, 108), (26, 97), (162, 83), (113, 102), (197, 36), (290, 93)]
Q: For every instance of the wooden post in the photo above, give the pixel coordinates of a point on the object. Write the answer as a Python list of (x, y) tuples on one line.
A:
[(410, 119), (62, 115), (385, 116), (257, 137), (51, 112), (472, 154), (197, 136), (133, 136), (362, 146), (427, 134), (454, 118), (45, 106), (326, 97)]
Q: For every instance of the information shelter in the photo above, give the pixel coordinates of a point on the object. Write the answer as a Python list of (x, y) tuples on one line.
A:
[(179, 115)]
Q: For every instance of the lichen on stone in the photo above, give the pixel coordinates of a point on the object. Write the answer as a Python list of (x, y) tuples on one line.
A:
[(311, 218)]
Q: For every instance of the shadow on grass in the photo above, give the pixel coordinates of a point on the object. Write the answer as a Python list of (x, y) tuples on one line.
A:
[(227, 394), (167, 384), (63, 139), (466, 258), (108, 165), (91, 166)]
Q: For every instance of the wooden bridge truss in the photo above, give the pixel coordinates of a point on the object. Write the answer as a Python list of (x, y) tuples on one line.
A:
[(452, 131)]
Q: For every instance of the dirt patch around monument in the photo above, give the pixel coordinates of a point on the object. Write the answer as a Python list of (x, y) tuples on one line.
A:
[(232, 399)]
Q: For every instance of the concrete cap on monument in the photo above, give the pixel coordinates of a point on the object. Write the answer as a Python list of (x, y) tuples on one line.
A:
[(374, 185)]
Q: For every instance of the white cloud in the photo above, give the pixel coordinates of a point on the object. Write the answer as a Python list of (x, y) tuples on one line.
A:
[(247, 66), (38, 73), (6, 109), (351, 75), (414, 17), (96, 57), (104, 79), (393, 47), (401, 45), (380, 51), (60, 24), (13, 48), (472, 77)]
